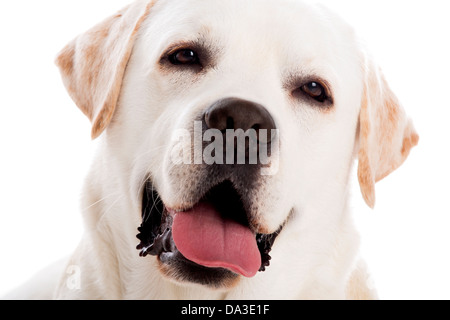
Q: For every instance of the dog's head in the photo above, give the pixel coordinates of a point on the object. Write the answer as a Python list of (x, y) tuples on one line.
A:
[(234, 121)]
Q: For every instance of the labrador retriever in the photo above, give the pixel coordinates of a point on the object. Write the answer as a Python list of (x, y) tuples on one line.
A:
[(227, 131)]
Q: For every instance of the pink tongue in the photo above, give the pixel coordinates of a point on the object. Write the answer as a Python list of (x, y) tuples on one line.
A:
[(203, 236)]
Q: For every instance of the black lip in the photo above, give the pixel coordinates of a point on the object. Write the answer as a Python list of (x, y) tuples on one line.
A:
[(155, 233)]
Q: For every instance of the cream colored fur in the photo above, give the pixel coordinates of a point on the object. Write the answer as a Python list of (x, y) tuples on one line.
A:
[(114, 75)]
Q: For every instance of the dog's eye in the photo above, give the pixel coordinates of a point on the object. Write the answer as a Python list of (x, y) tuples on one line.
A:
[(184, 57), (316, 91)]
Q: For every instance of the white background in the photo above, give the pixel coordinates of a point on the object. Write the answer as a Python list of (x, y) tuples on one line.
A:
[(46, 148)]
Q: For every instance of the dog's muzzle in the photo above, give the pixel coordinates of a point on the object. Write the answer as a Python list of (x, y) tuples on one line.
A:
[(215, 238)]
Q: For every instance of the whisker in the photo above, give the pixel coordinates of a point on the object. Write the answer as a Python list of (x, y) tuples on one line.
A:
[(156, 149), (155, 203), (112, 205), (97, 202)]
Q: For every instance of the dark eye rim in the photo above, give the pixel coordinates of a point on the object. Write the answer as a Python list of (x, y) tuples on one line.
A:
[(322, 97), (173, 59), (202, 60), (324, 100)]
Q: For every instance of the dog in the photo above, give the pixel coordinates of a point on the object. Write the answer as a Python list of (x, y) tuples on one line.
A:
[(170, 214)]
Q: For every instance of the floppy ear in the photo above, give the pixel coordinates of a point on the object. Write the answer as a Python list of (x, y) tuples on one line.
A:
[(386, 133), (93, 65)]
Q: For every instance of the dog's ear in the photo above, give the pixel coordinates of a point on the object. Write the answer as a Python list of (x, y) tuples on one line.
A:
[(93, 65), (386, 134)]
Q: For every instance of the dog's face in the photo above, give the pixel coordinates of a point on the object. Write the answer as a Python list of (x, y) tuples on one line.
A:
[(309, 82), (180, 75)]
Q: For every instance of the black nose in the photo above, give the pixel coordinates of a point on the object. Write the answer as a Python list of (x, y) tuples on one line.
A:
[(234, 113)]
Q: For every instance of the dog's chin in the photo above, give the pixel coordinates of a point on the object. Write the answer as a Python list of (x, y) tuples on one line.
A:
[(157, 239), (176, 267)]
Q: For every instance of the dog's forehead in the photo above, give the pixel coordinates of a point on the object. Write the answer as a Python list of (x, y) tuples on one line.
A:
[(289, 27)]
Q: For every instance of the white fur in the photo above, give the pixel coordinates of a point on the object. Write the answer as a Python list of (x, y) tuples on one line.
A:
[(261, 44)]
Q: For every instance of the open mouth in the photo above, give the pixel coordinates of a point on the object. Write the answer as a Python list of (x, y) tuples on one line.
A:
[(210, 240)]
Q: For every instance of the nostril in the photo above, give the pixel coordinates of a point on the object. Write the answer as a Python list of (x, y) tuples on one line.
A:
[(230, 123), (256, 127)]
